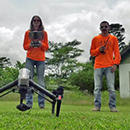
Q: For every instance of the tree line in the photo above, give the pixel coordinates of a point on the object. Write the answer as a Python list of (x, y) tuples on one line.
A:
[(62, 66)]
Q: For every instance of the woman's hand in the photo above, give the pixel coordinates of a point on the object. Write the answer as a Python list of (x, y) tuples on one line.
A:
[(40, 43), (35, 43)]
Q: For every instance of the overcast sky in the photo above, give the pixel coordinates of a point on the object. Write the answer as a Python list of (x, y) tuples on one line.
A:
[(64, 20)]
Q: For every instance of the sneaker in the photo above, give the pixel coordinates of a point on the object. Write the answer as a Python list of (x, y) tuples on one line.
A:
[(29, 105), (113, 109), (96, 108), (42, 106)]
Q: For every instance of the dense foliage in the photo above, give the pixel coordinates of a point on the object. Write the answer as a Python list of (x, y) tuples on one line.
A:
[(81, 79), (118, 31), (61, 60)]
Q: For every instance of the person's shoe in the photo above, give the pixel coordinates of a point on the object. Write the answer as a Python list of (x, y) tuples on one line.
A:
[(96, 108), (29, 105), (42, 106), (113, 109)]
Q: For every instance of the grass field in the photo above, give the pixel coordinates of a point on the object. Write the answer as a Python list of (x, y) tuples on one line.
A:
[(75, 114)]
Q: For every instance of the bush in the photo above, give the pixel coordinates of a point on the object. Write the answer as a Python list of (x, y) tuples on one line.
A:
[(8, 75), (84, 78)]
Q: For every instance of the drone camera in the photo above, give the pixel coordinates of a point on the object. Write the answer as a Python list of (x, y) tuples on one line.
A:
[(23, 78)]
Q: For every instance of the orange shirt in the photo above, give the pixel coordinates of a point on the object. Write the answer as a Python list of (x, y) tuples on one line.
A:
[(37, 54), (112, 55)]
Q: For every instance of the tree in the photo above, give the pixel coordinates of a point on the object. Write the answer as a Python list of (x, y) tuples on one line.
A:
[(118, 31), (4, 62), (19, 65), (84, 78), (62, 58), (9, 74)]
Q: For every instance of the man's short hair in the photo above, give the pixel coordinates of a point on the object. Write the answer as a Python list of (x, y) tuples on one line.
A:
[(104, 22)]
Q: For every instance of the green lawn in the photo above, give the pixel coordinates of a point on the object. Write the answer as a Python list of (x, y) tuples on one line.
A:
[(75, 114)]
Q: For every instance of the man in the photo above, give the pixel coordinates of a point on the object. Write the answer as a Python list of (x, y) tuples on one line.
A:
[(106, 50)]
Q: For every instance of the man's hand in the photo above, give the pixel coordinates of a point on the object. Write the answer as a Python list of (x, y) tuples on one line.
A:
[(113, 68), (102, 48)]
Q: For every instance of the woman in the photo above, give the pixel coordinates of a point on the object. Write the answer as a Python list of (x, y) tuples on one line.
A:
[(36, 57)]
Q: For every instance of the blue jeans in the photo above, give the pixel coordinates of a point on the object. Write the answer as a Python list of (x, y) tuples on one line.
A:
[(110, 78), (40, 68)]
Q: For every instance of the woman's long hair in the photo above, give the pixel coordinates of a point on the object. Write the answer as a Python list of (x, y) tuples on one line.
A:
[(41, 27)]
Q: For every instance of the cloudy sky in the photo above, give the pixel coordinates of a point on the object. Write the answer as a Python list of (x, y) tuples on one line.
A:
[(64, 20)]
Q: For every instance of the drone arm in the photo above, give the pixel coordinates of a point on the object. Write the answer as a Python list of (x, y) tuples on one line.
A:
[(38, 87), (9, 86)]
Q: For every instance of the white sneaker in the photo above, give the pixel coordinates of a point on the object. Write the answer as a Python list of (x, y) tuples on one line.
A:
[(96, 108), (113, 109)]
